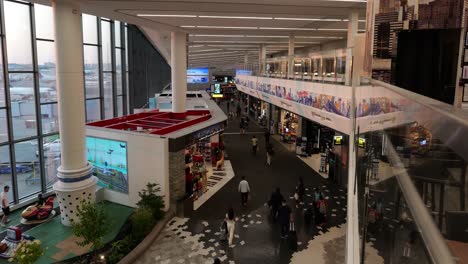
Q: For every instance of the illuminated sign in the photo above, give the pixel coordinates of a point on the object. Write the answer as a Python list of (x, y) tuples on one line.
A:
[(361, 142), (338, 140)]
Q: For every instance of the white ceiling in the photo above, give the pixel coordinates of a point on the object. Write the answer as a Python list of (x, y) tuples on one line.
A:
[(220, 31)]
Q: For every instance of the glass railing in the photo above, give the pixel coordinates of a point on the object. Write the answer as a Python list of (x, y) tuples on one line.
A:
[(411, 172), (410, 155)]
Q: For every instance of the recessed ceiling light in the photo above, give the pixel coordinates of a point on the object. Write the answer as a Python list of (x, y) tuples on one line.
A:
[(235, 17), (164, 15), (309, 19), (332, 29)]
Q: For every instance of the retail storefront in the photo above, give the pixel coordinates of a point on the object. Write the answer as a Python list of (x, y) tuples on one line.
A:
[(288, 127)]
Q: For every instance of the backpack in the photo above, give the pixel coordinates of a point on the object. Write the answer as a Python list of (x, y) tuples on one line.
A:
[(322, 207)]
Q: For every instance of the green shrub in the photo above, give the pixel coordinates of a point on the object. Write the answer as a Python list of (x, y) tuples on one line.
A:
[(142, 223), (92, 225), (27, 252), (120, 249), (150, 199)]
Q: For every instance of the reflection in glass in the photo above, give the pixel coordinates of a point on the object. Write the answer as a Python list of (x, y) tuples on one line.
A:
[(44, 21), (46, 64), (108, 96), (5, 170), (23, 108), (49, 115), (117, 35), (18, 36), (106, 46), (27, 167), (93, 110), (91, 71), (90, 34), (51, 158), (3, 126)]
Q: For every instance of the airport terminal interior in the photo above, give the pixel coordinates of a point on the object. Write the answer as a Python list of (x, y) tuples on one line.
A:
[(217, 131)]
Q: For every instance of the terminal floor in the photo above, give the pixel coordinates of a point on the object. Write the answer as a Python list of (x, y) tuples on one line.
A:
[(257, 239), (59, 240)]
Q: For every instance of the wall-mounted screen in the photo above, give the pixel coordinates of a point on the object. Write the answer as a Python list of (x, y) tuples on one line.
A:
[(197, 75), (109, 159)]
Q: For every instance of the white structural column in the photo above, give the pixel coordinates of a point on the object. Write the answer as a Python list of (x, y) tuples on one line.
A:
[(75, 181), (352, 31), (352, 212), (179, 72), (291, 56)]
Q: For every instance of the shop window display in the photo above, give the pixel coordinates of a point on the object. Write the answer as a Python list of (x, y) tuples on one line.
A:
[(288, 127), (202, 159)]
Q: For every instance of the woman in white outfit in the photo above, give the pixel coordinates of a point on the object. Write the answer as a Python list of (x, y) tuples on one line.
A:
[(231, 224)]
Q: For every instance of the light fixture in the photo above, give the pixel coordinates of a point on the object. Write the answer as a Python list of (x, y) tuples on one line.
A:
[(309, 19), (217, 36), (236, 17), (278, 28), (164, 15), (260, 42), (195, 46), (332, 29), (220, 27)]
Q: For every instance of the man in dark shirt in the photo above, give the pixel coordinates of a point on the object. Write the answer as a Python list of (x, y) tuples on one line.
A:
[(267, 137), (275, 203), (284, 214)]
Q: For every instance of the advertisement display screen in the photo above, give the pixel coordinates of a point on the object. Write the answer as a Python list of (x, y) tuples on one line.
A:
[(197, 75), (109, 159)]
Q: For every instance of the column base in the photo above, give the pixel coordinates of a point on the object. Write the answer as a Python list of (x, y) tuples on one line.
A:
[(72, 191)]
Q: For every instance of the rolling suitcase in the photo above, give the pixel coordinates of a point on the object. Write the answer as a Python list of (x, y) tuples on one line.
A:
[(292, 237)]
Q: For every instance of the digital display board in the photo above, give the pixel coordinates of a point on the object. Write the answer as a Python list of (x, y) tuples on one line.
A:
[(109, 159), (361, 142), (197, 75), (338, 140)]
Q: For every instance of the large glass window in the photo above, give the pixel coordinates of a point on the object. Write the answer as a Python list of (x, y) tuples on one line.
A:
[(3, 126), (49, 116), (51, 157), (91, 68), (108, 96), (46, 66), (6, 170), (106, 45), (23, 109), (28, 173), (90, 32), (18, 36), (34, 128), (93, 110), (117, 34), (44, 22)]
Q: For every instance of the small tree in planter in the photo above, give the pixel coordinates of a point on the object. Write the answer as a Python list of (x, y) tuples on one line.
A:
[(92, 226), (150, 199)]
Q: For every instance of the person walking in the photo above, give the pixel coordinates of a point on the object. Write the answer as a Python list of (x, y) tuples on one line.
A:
[(275, 203), (254, 145), (242, 126), (5, 205), (301, 189), (238, 110), (231, 225), (228, 106), (244, 190), (284, 214), (322, 207), (269, 153), (267, 137)]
